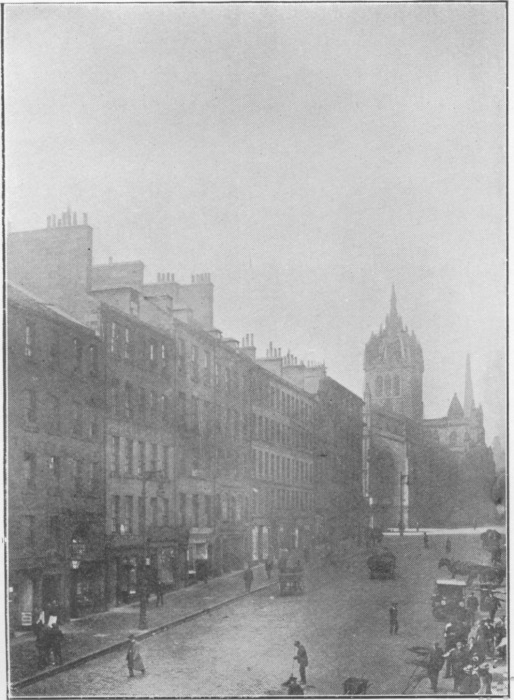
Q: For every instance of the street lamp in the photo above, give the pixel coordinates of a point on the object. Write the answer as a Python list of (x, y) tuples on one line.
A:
[(146, 476), (403, 481)]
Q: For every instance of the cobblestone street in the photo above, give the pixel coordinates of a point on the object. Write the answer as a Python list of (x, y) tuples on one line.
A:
[(246, 648)]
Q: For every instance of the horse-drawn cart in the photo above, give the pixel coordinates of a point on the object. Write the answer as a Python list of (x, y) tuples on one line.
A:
[(382, 565)]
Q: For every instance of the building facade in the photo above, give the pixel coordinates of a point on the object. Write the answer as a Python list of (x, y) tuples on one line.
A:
[(56, 465)]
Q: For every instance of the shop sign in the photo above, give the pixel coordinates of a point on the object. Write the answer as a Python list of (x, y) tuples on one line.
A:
[(26, 619)]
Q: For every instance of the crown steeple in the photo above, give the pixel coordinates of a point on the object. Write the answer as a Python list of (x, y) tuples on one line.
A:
[(469, 401)]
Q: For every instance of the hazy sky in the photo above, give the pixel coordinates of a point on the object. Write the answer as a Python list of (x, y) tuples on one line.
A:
[(308, 156)]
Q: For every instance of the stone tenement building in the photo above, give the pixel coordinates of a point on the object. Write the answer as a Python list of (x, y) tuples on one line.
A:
[(56, 474), (206, 454), (417, 470)]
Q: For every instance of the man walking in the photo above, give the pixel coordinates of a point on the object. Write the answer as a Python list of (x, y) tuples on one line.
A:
[(248, 578), (459, 659), (393, 618), (435, 662), (303, 661), (268, 565), (134, 660), (472, 606)]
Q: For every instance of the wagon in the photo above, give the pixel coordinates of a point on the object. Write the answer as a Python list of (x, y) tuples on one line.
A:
[(446, 598), (382, 565), (355, 686), (290, 582)]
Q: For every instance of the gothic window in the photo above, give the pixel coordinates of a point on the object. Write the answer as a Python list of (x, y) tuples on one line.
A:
[(396, 385), (379, 385), (387, 385)]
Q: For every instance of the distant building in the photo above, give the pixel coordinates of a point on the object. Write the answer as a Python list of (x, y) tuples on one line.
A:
[(56, 474), (418, 470)]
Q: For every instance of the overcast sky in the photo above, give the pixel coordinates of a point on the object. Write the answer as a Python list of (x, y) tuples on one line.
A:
[(308, 156)]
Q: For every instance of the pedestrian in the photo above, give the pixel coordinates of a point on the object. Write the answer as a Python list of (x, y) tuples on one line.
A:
[(493, 607), (303, 661), (425, 540), (293, 687), (435, 663), (486, 678), (42, 647), (134, 660), (470, 682), (459, 659), (393, 618), (55, 637), (268, 565), (472, 606), (450, 642), (448, 546), (248, 578)]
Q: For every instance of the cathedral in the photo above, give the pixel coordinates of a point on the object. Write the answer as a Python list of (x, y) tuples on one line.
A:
[(419, 471)]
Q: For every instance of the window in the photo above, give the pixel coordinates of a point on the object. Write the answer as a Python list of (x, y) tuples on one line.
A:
[(128, 350), (260, 473), (141, 407), (129, 456), (165, 461), (54, 414), (194, 363), (30, 530), (78, 471), (29, 468), (182, 356), (142, 457), (272, 397), (115, 513), (29, 340), (396, 385), (207, 368), (54, 468), (153, 405), (54, 350), (266, 465), (76, 420), (94, 476), (182, 509), (128, 404), (113, 336), (166, 410), (93, 360), (140, 514), (272, 467), (30, 406), (77, 355), (152, 350), (181, 408), (129, 514), (115, 454), (115, 397), (153, 458), (208, 511), (196, 510), (165, 511), (195, 413)]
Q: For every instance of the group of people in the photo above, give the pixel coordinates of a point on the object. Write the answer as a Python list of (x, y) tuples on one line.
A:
[(49, 637)]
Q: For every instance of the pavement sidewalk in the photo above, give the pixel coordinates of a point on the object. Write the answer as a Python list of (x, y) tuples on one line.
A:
[(96, 634)]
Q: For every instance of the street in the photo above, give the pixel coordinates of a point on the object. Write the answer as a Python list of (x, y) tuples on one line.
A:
[(246, 648)]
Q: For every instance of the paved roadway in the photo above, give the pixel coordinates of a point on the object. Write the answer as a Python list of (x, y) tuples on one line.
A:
[(246, 648)]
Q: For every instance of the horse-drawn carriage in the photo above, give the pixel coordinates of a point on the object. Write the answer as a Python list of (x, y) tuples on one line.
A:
[(493, 575), (382, 565), (290, 574), (446, 598)]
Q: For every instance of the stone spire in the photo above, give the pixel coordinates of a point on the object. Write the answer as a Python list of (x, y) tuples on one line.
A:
[(393, 320), (469, 401)]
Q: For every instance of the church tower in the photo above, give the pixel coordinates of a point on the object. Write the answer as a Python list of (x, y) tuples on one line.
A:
[(393, 366)]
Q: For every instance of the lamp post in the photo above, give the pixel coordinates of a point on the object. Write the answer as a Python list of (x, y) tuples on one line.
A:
[(403, 482), (146, 476)]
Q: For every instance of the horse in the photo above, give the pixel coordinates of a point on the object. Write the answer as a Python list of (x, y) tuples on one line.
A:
[(486, 574)]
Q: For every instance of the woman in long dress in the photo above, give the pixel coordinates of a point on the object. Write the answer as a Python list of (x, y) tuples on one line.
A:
[(134, 660)]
